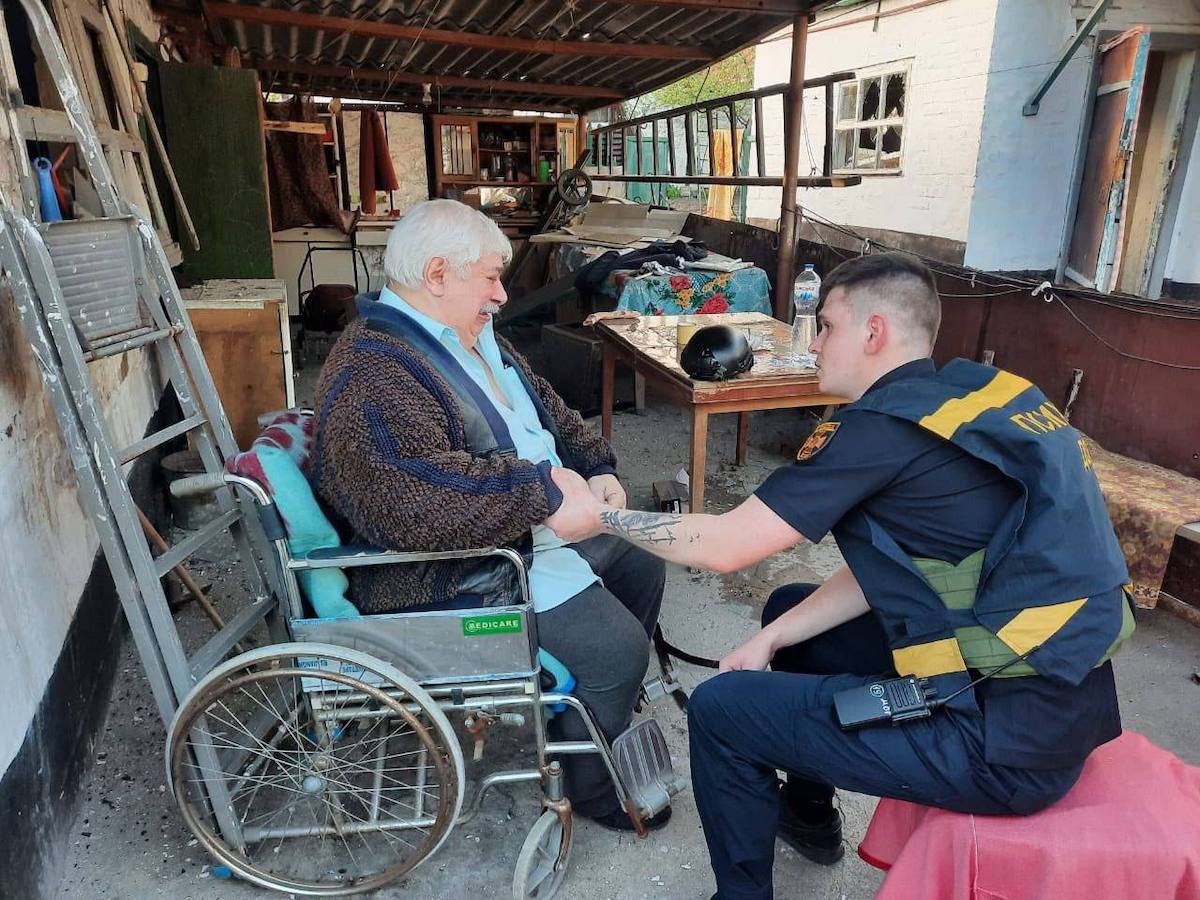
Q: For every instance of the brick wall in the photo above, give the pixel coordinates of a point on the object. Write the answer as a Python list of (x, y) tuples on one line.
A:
[(948, 44)]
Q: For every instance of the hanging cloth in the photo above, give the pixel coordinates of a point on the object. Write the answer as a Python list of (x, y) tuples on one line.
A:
[(375, 171)]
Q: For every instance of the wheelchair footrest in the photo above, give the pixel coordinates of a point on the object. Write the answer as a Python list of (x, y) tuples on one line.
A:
[(644, 764)]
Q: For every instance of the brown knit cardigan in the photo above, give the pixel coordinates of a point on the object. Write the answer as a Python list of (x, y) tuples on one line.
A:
[(391, 463)]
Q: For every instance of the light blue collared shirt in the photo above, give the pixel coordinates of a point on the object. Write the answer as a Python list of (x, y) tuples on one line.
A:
[(558, 573)]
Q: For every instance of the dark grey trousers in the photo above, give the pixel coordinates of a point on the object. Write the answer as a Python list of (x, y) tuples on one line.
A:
[(602, 635)]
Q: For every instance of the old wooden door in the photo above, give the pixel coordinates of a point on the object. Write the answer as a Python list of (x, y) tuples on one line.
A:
[(1096, 239)]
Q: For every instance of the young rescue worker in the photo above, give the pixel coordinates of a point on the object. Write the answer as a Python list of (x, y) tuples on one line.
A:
[(975, 537), (433, 434)]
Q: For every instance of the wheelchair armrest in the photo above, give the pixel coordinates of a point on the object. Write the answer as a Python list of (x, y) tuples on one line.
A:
[(355, 555)]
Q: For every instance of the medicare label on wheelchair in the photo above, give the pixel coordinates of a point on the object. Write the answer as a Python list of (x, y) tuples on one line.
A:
[(337, 767)]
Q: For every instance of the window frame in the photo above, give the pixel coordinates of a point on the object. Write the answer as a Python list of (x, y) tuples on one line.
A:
[(856, 125)]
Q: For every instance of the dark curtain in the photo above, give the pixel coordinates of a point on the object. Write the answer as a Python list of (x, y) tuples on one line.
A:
[(302, 192)]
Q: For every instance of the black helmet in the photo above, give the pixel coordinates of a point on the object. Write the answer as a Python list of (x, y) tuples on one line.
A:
[(716, 352)]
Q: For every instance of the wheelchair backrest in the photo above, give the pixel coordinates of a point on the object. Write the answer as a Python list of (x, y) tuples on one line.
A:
[(276, 461)]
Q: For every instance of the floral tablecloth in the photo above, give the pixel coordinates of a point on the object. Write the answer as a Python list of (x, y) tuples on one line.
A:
[(1147, 504), (746, 290)]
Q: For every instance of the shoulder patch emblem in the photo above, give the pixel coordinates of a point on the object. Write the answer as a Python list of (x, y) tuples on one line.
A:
[(817, 441)]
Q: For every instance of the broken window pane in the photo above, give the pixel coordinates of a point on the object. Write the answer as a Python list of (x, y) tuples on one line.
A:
[(870, 99), (848, 101), (889, 146), (843, 149), (865, 156), (893, 101)]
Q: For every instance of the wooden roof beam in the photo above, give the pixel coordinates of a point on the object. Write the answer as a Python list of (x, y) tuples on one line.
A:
[(765, 7), (268, 16), (412, 101), (483, 85)]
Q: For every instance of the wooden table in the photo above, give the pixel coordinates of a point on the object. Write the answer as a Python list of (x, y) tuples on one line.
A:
[(647, 344)]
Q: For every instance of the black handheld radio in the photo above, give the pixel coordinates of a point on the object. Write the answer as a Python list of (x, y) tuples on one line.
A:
[(898, 700)]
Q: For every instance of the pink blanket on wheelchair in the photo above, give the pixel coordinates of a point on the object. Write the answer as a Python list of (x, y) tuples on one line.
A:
[(1129, 828)]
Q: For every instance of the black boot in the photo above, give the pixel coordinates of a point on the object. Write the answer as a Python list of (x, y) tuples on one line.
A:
[(813, 829)]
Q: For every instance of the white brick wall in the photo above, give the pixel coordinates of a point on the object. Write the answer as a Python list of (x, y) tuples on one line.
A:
[(1026, 164), (974, 169), (948, 44)]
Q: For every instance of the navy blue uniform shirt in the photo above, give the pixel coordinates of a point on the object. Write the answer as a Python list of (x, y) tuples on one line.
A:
[(939, 502)]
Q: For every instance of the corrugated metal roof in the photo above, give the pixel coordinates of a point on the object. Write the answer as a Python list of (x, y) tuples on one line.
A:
[(480, 52)]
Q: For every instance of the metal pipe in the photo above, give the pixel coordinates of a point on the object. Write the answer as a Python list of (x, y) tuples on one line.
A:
[(570, 747), (132, 343), (254, 835), (791, 165), (509, 777), (1034, 102), (836, 181)]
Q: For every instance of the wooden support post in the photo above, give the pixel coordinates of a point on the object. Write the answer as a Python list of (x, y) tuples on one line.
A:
[(791, 163), (743, 438)]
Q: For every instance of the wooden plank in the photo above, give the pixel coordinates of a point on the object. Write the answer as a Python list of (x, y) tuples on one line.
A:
[(54, 125), (373, 28), (181, 209), (294, 127), (390, 76)]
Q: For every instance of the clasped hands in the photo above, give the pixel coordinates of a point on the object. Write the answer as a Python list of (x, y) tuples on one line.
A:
[(578, 518)]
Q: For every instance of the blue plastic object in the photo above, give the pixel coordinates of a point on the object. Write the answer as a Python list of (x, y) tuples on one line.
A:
[(46, 192), (222, 872), (564, 681)]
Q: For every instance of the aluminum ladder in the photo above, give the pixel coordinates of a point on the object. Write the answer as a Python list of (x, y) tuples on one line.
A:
[(92, 289)]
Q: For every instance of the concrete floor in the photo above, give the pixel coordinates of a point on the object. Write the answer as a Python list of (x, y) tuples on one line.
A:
[(129, 842)]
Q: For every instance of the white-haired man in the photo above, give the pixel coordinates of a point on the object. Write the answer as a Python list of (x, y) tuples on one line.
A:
[(979, 559), (433, 434)]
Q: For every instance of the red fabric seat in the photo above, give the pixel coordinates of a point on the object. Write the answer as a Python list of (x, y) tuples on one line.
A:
[(1130, 828)]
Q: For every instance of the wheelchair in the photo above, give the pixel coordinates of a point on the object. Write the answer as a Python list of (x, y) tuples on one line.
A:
[(329, 765)]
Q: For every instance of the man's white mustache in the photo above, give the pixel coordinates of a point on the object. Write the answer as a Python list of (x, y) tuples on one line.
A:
[(490, 309)]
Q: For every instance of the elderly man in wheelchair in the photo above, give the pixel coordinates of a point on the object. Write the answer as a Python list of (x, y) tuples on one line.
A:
[(429, 434)]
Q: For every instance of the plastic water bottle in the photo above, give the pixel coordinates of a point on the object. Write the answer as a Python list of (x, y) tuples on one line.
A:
[(805, 295)]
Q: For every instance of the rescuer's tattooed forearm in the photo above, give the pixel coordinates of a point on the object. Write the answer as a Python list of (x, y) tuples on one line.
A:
[(642, 527)]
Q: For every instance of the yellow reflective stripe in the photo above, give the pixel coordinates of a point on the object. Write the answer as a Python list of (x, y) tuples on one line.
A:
[(957, 412), (927, 660), (1037, 624)]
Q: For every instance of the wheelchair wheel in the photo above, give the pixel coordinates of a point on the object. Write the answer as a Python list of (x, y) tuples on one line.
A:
[(314, 769), (535, 877)]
